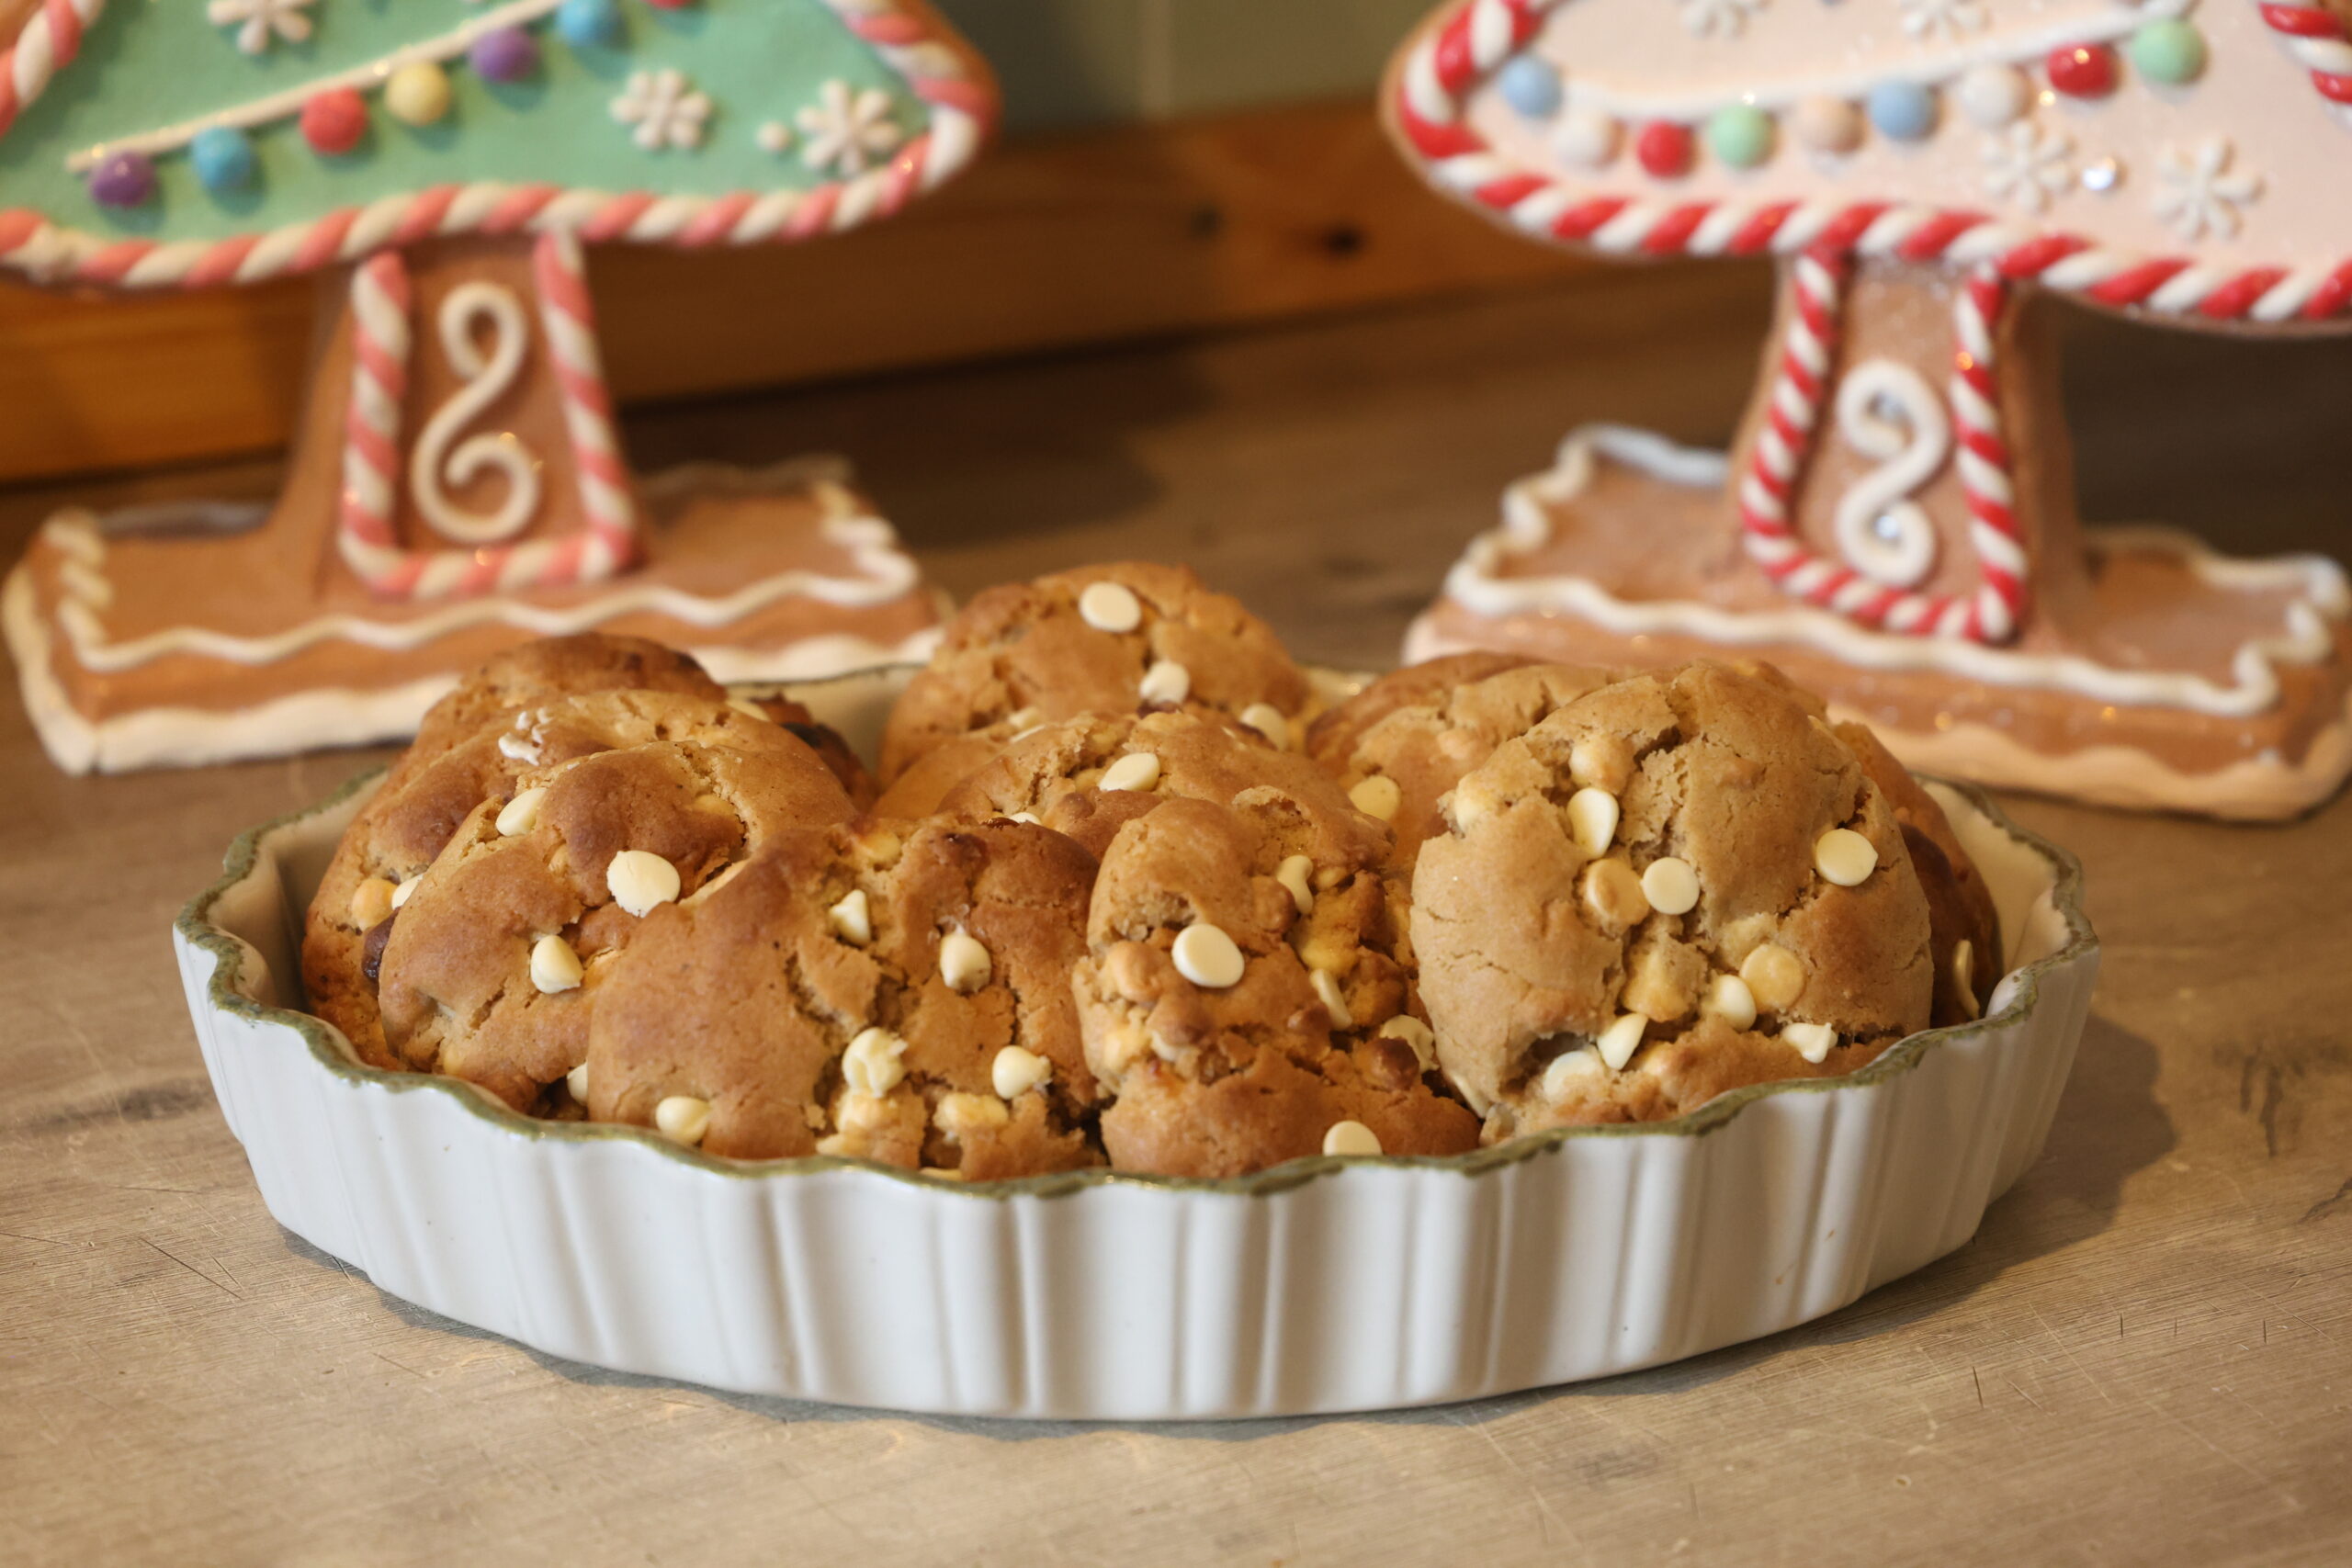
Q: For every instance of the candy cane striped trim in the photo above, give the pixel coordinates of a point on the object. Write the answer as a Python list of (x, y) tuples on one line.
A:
[(1992, 612), (381, 344), (50, 37), (960, 99), (2316, 38), (1472, 39)]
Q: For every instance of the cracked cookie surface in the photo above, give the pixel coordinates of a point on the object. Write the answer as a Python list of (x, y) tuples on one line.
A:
[(898, 991), (1246, 997), (1672, 886), (1117, 639)]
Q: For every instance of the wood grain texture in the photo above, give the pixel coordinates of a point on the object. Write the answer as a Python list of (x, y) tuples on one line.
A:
[(1050, 241), (2144, 1357)]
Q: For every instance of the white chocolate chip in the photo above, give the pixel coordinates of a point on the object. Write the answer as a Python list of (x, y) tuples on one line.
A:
[(1671, 886), (1136, 771), (554, 967), (1166, 682), (1293, 875), (1618, 1043), (1028, 817), (1730, 1000), (750, 709), (1775, 977), (521, 814), (576, 1082), (1207, 956), (1844, 857), (852, 919), (371, 903), (871, 1063), (1334, 1001), (1592, 819), (1602, 762), (1963, 974), (964, 963), (683, 1119), (1612, 895), (641, 881), (1565, 1069), (1016, 1071), (1415, 1033), (1110, 607), (1351, 1138), (961, 1115), (1811, 1040), (1268, 721), (406, 890), (1378, 796)]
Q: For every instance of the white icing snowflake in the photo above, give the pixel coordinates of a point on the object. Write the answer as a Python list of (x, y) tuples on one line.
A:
[(2027, 164), (1942, 21), (774, 136), (2198, 194), (1716, 19), (258, 22), (664, 108), (847, 130)]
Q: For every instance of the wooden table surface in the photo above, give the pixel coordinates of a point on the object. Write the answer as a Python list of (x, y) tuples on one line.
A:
[(2145, 1356)]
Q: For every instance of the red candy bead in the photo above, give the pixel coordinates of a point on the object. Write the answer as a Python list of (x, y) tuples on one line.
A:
[(668, 4), (335, 120), (1664, 149), (2083, 70)]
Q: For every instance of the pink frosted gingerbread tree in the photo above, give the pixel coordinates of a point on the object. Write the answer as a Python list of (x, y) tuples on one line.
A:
[(1896, 523), (456, 483)]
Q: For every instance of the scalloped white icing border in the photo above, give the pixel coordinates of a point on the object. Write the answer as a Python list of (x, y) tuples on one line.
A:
[(1476, 582), (887, 571)]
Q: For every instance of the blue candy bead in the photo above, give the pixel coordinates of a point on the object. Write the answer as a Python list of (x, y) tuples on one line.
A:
[(585, 24), (223, 158), (1902, 111), (1531, 87)]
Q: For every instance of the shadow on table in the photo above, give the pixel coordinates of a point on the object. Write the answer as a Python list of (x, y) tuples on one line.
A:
[(2108, 1125)]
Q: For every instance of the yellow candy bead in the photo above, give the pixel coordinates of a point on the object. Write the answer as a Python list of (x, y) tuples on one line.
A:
[(418, 92)]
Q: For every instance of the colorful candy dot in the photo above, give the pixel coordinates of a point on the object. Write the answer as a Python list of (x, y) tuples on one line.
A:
[(1586, 138), (417, 94), (1828, 125), (1904, 111), (2083, 70), (668, 4), (1994, 96), (335, 120), (222, 157), (585, 24), (505, 54), (1740, 135), (1664, 149), (2170, 51), (1529, 86), (123, 179)]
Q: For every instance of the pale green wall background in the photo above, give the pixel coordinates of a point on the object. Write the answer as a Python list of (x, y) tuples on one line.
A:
[(1075, 62)]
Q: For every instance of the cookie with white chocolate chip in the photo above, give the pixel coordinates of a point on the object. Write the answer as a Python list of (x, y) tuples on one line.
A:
[(1245, 995), (484, 959), (1090, 776), (1119, 638), (1677, 884), (898, 991), (1415, 740)]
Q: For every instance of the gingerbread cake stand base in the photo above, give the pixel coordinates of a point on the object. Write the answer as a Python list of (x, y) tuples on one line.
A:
[(2181, 680), (185, 633)]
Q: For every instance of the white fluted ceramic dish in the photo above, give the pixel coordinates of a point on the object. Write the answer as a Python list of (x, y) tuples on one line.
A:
[(1325, 1285)]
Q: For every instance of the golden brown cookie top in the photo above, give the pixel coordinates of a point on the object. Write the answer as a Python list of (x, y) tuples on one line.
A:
[(1664, 859), (621, 801), (1089, 776), (1337, 729), (899, 991), (1967, 928), (1423, 745), (545, 671), (1246, 997), (1117, 639)]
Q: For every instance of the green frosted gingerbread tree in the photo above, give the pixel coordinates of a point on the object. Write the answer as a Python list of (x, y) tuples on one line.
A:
[(456, 482)]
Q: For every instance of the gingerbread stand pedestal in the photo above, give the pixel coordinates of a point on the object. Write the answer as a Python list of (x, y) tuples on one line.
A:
[(458, 486)]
